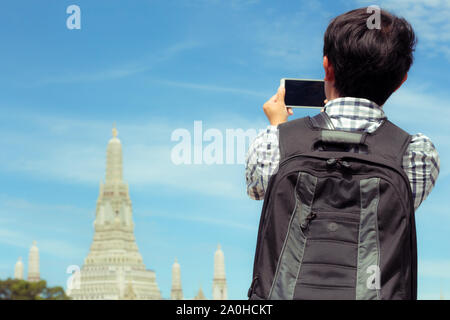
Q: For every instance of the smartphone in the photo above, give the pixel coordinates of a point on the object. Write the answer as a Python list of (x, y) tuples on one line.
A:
[(304, 93)]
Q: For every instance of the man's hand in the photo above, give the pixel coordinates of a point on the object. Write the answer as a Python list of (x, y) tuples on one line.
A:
[(275, 108)]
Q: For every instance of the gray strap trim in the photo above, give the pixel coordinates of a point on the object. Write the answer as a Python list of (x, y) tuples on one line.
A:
[(341, 137), (291, 256), (368, 246), (327, 119), (321, 120)]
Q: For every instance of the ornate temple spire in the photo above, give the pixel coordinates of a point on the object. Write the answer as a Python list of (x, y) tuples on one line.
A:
[(177, 291), (33, 263), (200, 295), (219, 281), (114, 131), (114, 268), (18, 269), (219, 264), (114, 159)]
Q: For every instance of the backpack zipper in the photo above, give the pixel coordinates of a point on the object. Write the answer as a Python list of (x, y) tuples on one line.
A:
[(346, 156), (339, 163), (305, 224)]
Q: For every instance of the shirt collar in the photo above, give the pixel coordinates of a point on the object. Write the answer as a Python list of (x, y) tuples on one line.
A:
[(354, 107)]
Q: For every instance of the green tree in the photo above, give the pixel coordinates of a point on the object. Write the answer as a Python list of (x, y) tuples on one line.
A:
[(14, 289)]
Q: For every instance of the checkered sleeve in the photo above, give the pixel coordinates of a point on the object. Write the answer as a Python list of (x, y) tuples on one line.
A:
[(262, 161), (421, 164)]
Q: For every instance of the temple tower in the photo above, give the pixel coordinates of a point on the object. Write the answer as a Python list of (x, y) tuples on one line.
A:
[(219, 281), (33, 263), (114, 263), (200, 295), (176, 292), (18, 269)]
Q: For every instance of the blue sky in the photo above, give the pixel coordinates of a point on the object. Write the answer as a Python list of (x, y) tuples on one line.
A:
[(153, 67)]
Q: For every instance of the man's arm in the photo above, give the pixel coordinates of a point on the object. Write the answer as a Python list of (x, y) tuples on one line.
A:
[(263, 155), (262, 161), (421, 164)]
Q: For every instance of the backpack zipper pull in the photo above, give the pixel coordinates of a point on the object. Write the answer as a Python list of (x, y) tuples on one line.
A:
[(308, 219), (338, 163), (345, 164), (332, 161)]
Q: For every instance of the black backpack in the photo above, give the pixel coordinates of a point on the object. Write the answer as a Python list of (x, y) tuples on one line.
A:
[(338, 216)]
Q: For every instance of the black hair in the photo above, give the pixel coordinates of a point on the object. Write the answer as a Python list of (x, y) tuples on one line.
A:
[(369, 63)]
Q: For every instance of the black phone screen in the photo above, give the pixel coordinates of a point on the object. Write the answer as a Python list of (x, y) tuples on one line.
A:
[(304, 93)]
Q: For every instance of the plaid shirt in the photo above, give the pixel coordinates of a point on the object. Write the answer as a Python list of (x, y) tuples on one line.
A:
[(420, 161)]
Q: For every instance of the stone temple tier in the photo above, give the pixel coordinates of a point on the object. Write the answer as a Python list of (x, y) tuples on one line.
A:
[(114, 268)]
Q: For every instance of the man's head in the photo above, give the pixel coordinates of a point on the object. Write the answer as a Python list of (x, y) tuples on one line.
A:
[(367, 63)]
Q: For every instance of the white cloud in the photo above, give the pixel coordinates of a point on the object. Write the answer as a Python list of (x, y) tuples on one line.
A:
[(429, 18), (425, 111), (420, 106), (211, 220), (214, 88), (74, 151), (286, 41), (55, 247), (122, 70), (418, 112), (23, 221), (9, 203)]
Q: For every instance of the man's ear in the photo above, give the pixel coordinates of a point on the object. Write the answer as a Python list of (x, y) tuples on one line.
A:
[(403, 81), (329, 70)]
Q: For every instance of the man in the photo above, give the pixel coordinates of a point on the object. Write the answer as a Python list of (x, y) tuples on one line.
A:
[(363, 67), (360, 75)]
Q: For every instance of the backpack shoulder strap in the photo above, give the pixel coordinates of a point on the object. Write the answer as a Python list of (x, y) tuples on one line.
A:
[(296, 136), (322, 120), (388, 141)]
